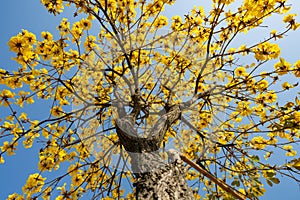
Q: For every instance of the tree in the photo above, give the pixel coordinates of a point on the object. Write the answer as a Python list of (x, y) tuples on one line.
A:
[(146, 107)]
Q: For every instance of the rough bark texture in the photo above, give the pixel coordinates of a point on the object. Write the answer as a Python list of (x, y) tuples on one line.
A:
[(166, 183), (155, 179)]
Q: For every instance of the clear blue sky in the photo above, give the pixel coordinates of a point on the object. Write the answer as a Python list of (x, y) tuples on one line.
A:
[(31, 15)]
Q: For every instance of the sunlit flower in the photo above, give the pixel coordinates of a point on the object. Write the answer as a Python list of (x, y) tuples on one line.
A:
[(16, 44)]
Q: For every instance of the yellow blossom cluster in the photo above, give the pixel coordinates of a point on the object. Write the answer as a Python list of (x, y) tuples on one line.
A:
[(33, 185), (22, 45), (266, 51), (282, 67)]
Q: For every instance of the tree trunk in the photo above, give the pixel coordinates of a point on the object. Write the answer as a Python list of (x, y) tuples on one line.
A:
[(163, 181), (155, 179)]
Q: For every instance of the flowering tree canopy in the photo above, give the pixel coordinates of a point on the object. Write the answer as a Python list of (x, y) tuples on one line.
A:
[(148, 106)]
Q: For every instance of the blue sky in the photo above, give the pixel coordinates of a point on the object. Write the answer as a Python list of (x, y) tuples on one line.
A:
[(16, 15)]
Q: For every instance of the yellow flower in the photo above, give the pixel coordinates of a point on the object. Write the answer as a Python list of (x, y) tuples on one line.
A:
[(191, 175), (273, 32), (54, 7), (5, 94), (77, 180), (15, 196), (262, 85), (266, 51), (297, 116), (238, 119), (47, 35), (1, 160), (289, 150), (16, 44), (85, 24), (243, 50), (64, 27), (56, 111), (240, 71), (176, 23), (34, 184), (28, 79), (289, 18), (160, 22), (89, 43), (291, 153), (29, 37), (23, 116), (296, 70), (258, 142), (244, 108), (286, 86), (30, 100), (27, 143), (270, 97), (260, 110), (47, 193), (282, 67), (46, 163), (63, 191)]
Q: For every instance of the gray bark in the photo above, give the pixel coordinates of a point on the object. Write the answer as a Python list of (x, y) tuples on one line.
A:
[(155, 179), (164, 183)]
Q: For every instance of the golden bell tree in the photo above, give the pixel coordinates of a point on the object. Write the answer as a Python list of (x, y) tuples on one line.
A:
[(145, 106)]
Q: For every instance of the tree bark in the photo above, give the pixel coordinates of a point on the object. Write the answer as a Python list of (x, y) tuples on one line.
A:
[(154, 178), (165, 182)]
